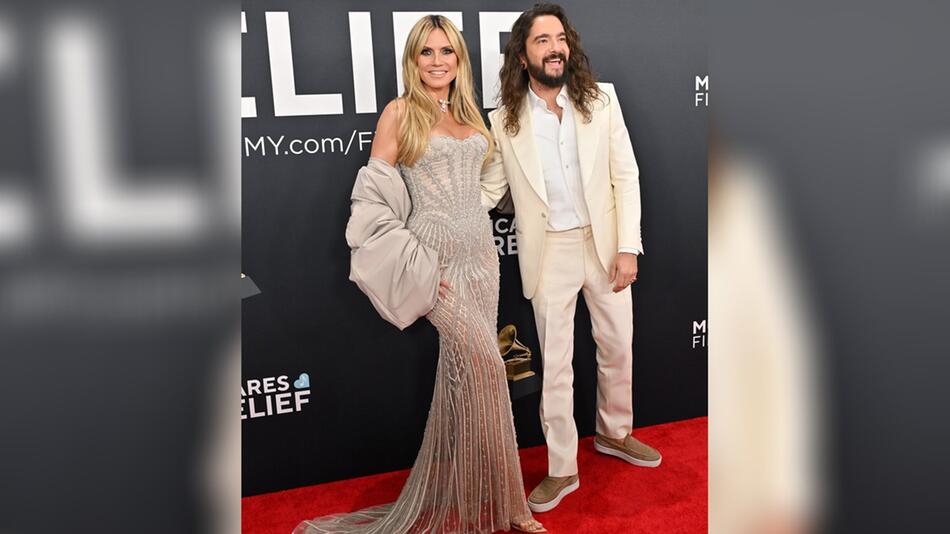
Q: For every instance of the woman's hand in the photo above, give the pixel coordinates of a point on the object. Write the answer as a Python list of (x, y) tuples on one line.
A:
[(444, 289)]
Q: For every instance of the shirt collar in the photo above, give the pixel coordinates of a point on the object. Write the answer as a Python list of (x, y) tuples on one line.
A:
[(561, 98)]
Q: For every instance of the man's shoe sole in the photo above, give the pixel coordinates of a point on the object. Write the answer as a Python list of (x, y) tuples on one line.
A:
[(626, 457), (550, 505)]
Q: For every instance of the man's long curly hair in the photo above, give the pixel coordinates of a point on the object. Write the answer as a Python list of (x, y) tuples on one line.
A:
[(581, 83)]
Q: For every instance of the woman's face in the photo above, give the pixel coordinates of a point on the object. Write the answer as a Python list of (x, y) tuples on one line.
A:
[(438, 64)]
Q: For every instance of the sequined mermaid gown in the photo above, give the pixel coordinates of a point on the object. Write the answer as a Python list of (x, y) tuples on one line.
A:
[(467, 476)]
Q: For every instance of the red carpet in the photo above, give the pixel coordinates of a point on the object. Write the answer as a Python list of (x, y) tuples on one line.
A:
[(614, 496)]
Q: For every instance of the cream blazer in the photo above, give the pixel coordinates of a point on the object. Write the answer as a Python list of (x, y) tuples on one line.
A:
[(609, 174)]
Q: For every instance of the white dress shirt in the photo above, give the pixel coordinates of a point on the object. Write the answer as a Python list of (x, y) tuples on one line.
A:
[(556, 141)]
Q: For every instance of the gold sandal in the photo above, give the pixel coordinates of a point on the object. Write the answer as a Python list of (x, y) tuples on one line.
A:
[(523, 527)]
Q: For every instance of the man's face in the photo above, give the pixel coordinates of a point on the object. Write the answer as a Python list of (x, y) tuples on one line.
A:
[(547, 51)]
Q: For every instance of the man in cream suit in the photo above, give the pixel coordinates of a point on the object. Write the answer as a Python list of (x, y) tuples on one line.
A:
[(563, 151)]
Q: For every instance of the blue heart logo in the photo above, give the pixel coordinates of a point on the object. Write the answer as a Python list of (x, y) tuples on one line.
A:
[(303, 382)]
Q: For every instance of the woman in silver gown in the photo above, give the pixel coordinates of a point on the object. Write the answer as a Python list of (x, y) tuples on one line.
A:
[(467, 475)]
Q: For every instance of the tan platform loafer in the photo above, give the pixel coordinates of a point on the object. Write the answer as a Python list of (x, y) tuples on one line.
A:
[(628, 449), (550, 491)]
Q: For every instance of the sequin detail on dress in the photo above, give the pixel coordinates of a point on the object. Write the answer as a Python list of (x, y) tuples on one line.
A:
[(467, 476)]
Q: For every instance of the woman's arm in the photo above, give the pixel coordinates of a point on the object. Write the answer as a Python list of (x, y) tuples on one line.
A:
[(386, 140)]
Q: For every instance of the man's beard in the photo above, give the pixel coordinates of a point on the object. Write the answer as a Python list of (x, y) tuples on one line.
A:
[(537, 72)]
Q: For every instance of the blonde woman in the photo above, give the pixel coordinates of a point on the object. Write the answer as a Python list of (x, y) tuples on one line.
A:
[(467, 475)]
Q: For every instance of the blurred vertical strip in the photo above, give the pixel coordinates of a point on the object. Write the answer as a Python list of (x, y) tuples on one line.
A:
[(829, 262), (119, 266)]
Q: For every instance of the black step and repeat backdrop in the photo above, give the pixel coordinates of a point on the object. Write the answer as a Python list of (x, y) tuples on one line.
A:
[(330, 390)]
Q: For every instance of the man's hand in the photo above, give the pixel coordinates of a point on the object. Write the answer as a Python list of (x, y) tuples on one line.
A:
[(623, 272)]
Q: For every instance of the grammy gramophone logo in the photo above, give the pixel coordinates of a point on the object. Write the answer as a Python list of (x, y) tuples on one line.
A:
[(516, 355)]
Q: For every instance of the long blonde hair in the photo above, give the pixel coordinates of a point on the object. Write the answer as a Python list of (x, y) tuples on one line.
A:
[(420, 113)]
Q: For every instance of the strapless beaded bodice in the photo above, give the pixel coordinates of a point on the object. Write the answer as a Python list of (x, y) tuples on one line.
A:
[(447, 214)]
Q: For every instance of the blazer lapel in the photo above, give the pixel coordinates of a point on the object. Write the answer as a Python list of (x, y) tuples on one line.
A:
[(588, 137), (527, 151)]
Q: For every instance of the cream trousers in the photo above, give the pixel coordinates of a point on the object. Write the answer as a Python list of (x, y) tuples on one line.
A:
[(570, 265)]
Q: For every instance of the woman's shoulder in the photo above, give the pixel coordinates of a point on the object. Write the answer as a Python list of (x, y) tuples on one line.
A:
[(385, 141), (391, 117), (393, 110)]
